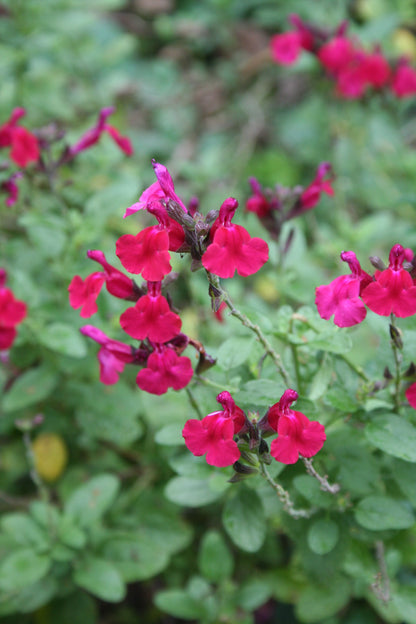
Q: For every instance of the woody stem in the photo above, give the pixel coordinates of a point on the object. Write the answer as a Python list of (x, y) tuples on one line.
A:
[(284, 496), (223, 294)]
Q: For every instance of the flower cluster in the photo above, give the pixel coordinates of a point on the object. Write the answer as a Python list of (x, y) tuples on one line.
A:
[(12, 312), (275, 206), (391, 290), (353, 69), (213, 242), (27, 147), (225, 436)]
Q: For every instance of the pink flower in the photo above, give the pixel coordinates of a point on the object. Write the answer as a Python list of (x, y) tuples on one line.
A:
[(24, 144), (10, 187), (165, 369), (117, 283), (258, 202), (83, 293), (92, 136), (312, 194), (147, 253), (376, 69), (393, 292), (286, 47), (214, 434), (163, 189), (336, 54), (341, 297), (151, 317), (404, 80), (112, 356), (219, 314), (411, 395), (232, 248), (12, 312), (297, 435)]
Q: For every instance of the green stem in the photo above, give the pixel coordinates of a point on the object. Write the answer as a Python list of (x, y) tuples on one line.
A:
[(215, 283), (43, 492), (214, 384), (396, 345), (325, 485), (284, 496), (295, 358), (194, 402)]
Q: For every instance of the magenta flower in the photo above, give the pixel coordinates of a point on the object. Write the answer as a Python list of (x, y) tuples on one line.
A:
[(24, 144), (92, 136), (10, 187), (286, 47), (163, 189), (297, 435), (336, 54), (404, 80), (258, 202), (393, 292), (232, 248), (214, 434), (112, 356), (341, 297), (147, 253), (151, 317), (321, 184), (411, 395), (165, 369), (12, 312), (117, 283), (83, 293)]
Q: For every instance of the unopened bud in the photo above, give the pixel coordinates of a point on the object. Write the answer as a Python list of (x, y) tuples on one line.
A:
[(396, 336), (377, 263)]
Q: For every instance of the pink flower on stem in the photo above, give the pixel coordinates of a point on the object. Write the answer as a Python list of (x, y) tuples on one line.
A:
[(12, 312), (165, 369), (258, 202), (151, 317), (286, 47), (376, 70), (232, 248), (321, 184), (341, 297), (163, 189), (83, 293), (10, 187), (297, 435), (92, 136), (112, 356), (117, 283), (404, 80), (336, 54), (24, 145), (411, 395), (393, 291), (214, 434)]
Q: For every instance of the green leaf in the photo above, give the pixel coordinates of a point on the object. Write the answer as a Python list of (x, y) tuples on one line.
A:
[(215, 560), (393, 435), (405, 479), (379, 513), (254, 593), (90, 501), (63, 339), (70, 534), (333, 342), (110, 413), (135, 557), (190, 492), (244, 519), (23, 530), (321, 379), (264, 392), (170, 435), (404, 599), (21, 568), (31, 387), (180, 604), (322, 536), (234, 352), (317, 602), (101, 578)]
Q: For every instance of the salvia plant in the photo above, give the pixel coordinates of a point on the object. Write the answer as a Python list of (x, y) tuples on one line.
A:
[(217, 465)]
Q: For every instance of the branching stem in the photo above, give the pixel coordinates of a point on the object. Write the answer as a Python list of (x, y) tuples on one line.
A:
[(325, 485), (215, 283), (284, 497)]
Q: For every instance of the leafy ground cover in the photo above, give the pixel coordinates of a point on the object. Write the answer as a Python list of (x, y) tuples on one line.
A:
[(243, 448)]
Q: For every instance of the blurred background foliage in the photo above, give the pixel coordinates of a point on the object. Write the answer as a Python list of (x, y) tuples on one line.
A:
[(194, 87)]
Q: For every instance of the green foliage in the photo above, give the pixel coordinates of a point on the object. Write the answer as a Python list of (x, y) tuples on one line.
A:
[(194, 87)]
